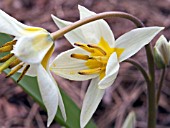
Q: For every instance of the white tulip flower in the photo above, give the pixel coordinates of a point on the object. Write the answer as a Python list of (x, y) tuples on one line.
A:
[(96, 55), (30, 51)]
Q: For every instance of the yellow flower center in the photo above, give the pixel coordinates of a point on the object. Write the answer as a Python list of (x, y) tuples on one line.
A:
[(97, 60), (11, 61)]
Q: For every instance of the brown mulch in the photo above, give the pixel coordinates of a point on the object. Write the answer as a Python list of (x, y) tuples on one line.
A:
[(18, 110)]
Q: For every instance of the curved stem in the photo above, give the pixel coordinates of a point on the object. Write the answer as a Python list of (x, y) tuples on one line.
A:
[(103, 15), (160, 84), (140, 68)]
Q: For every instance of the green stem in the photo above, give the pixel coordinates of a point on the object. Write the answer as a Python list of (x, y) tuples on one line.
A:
[(150, 85), (140, 68), (160, 84), (152, 108)]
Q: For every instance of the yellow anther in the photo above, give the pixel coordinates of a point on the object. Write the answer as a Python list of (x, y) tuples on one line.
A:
[(23, 73), (7, 48), (14, 70), (90, 71), (14, 63), (98, 48), (84, 46), (13, 42), (99, 58), (7, 63), (5, 58), (80, 56)]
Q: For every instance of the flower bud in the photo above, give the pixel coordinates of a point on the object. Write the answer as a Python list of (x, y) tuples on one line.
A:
[(162, 52)]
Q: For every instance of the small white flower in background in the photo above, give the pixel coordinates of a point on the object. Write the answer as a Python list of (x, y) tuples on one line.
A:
[(97, 56), (29, 53), (162, 52), (130, 121)]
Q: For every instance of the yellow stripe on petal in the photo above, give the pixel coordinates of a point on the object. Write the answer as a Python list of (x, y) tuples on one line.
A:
[(47, 57), (119, 51), (33, 29), (39, 44)]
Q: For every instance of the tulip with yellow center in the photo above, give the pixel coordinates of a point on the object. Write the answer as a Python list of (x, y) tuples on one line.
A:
[(96, 55), (29, 53)]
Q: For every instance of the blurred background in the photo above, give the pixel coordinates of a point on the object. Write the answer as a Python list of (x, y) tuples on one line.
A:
[(18, 110)]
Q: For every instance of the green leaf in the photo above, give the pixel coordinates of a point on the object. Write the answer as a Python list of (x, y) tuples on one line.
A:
[(30, 86)]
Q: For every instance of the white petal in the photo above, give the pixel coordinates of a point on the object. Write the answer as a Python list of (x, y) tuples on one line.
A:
[(112, 69), (134, 40), (60, 101), (91, 101), (61, 105), (49, 92), (31, 72), (73, 36), (66, 66), (97, 29), (130, 121), (11, 26), (32, 49)]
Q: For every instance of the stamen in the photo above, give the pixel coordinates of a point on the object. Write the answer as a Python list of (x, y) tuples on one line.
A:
[(13, 42), (84, 46), (90, 71), (98, 48), (23, 73), (14, 70), (80, 56), (6, 48), (7, 63), (5, 58), (99, 58), (14, 63)]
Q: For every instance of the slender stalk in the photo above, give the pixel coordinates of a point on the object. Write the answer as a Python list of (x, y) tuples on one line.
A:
[(104, 15), (152, 108), (160, 84), (150, 85), (140, 68)]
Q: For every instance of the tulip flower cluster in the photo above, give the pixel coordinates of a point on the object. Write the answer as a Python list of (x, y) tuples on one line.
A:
[(96, 56)]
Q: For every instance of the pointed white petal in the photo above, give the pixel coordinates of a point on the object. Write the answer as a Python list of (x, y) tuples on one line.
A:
[(97, 29), (11, 26), (134, 40), (73, 36), (66, 66), (61, 105), (32, 49), (112, 69), (91, 101), (49, 92), (130, 121), (60, 101)]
